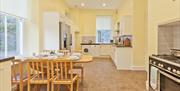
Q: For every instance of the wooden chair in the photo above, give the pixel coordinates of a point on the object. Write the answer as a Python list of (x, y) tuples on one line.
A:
[(79, 66), (19, 75), (38, 73), (62, 74)]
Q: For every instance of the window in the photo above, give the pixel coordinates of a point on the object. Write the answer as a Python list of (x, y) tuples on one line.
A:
[(103, 29), (10, 35)]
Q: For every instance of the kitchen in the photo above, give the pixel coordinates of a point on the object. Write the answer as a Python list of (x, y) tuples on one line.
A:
[(126, 38)]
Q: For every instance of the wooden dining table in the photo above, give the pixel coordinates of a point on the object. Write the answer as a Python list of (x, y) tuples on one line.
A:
[(83, 59)]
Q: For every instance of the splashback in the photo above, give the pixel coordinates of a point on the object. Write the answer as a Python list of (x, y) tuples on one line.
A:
[(168, 37)]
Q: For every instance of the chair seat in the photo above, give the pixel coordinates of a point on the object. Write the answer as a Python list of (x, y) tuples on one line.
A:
[(65, 81)]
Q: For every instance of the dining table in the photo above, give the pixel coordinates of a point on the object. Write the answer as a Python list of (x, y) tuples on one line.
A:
[(84, 58)]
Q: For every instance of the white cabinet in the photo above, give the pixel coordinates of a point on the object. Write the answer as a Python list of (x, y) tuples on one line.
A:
[(126, 25), (123, 58), (98, 50), (5, 76), (51, 30), (105, 50)]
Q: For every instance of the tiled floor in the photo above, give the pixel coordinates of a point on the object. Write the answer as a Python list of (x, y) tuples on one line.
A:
[(101, 75)]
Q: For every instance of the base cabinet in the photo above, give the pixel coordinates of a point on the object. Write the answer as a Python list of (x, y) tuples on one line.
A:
[(123, 58), (5, 76), (98, 50)]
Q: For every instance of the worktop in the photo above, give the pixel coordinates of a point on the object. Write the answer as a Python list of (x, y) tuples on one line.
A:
[(4, 59), (96, 43), (113, 44)]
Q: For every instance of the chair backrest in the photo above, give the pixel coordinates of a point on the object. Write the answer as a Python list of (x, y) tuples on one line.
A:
[(17, 70), (62, 69), (38, 68)]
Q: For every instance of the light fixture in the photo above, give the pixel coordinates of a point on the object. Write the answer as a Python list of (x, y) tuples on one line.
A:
[(82, 4), (104, 4)]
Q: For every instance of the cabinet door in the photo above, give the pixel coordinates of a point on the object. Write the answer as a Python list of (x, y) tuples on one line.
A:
[(105, 50), (126, 25), (51, 30), (5, 76), (95, 50)]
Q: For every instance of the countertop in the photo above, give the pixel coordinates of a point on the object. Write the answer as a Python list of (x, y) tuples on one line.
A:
[(4, 59), (118, 46), (96, 43)]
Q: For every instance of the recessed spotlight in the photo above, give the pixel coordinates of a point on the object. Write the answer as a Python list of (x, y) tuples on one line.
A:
[(104, 4), (82, 4)]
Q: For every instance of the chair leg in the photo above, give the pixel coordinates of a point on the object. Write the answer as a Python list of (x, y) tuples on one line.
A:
[(77, 88), (71, 87), (58, 87), (48, 86), (82, 74), (29, 86), (52, 87)]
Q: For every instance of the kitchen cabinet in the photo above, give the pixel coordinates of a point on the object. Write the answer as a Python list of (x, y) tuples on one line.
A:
[(105, 50), (56, 29), (98, 50), (126, 25), (123, 57), (5, 76)]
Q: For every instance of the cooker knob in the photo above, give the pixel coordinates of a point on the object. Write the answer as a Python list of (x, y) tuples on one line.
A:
[(178, 72), (154, 62), (174, 70), (169, 68), (159, 64), (162, 65)]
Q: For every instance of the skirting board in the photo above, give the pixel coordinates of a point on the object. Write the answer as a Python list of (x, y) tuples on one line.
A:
[(139, 68)]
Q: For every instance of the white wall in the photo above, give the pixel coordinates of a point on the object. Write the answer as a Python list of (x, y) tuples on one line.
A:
[(14, 7)]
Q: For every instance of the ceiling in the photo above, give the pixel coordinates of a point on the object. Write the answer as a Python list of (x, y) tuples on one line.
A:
[(94, 4)]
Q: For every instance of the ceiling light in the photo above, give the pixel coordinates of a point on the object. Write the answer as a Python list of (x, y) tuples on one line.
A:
[(82, 4), (104, 4)]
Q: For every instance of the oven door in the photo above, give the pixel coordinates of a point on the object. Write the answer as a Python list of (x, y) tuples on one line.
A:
[(168, 82)]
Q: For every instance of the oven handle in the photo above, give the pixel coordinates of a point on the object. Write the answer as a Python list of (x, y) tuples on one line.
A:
[(170, 76)]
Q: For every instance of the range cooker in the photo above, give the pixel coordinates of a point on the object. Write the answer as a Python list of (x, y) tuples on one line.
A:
[(168, 72)]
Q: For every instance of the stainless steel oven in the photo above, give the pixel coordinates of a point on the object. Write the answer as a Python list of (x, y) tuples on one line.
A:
[(168, 82), (168, 73)]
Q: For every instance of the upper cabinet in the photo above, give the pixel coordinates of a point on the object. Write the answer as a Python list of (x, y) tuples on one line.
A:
[(125, 27), (14, 7)]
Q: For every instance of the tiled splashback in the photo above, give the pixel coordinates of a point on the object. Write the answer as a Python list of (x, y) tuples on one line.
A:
[(168, 38), (87, 39)]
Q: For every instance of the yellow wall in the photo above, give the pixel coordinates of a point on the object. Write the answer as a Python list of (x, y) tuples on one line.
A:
[(126, 8), (139, 31), (85, 19)]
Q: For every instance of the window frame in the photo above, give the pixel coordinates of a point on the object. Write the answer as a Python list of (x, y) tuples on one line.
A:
[(20, 24), (99, 30)]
